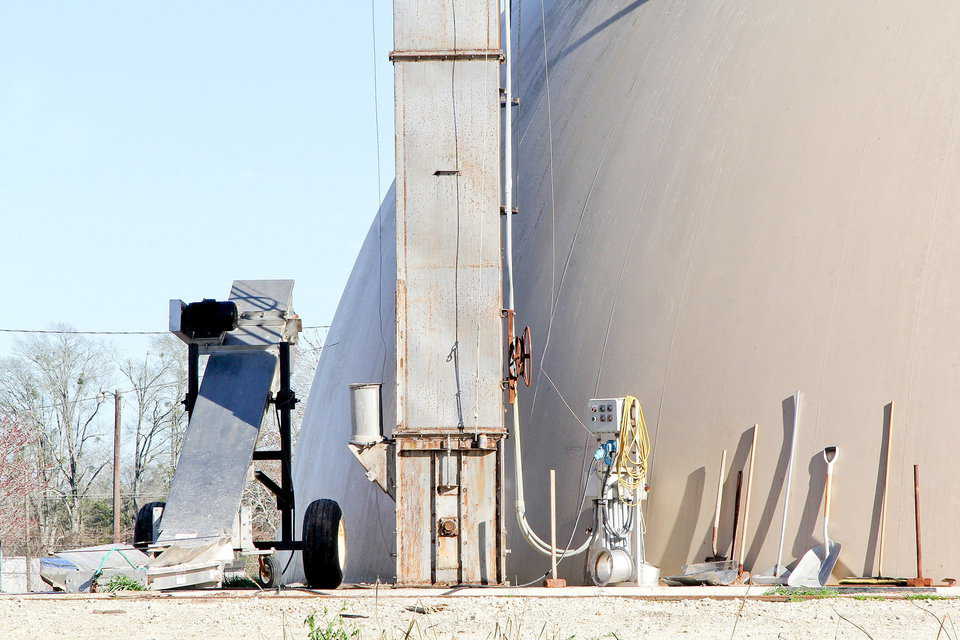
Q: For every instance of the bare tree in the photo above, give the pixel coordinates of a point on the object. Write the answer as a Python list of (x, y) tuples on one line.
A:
[(18, 477), (54, 384), (156, 381)]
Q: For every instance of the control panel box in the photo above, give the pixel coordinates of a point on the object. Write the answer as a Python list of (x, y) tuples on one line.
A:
[(604, 414)]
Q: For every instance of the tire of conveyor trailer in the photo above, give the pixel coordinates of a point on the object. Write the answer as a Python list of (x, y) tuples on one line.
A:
[(143, 526), (324, 544), (270, 571)]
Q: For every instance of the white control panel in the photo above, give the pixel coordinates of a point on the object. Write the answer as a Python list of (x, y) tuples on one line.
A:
[(603, 414)]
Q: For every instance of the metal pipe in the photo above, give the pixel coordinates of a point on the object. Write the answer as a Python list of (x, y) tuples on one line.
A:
[(883, 503), (116, 467), (553, 523), (916, 515), (508, 150), (746, 502), (286, 467), (778, 568)]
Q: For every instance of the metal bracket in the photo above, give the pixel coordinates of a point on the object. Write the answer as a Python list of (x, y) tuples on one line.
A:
[(503, 99), (284, 496), (445, 54)]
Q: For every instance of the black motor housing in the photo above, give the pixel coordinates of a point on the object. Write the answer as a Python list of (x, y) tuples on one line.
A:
[(208, 319)]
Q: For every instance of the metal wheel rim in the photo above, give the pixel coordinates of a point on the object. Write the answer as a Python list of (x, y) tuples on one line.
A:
[(342, 545)]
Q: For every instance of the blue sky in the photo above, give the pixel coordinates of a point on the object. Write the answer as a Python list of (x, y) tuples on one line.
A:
[(156, 150)]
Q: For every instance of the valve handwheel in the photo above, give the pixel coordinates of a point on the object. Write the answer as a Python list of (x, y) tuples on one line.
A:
[(521, 351), (526, 352)]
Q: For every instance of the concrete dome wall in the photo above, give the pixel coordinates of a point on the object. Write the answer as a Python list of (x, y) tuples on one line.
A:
[(746, 199), (359, 347)]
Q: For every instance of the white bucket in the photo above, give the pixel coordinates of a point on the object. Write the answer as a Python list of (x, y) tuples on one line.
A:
[(648, 575), (365, 401)]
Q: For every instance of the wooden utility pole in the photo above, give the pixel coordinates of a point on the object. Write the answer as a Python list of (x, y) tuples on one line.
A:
[(116, 467)]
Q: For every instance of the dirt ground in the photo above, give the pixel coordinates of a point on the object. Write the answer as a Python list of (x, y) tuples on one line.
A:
[(266, 616)]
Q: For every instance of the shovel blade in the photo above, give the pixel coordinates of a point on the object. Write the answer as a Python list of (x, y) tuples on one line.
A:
[(815, 566), (769, 577)]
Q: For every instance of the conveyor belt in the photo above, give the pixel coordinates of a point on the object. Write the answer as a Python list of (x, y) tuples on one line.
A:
[(208, 483)]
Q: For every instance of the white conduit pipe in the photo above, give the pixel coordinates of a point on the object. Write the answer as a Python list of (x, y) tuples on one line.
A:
[(508, 152), (535, 541)]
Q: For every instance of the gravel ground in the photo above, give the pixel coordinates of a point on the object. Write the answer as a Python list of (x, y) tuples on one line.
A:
[(488, 618)]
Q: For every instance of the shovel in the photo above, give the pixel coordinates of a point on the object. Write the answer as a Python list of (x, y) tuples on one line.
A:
[(817, 564)]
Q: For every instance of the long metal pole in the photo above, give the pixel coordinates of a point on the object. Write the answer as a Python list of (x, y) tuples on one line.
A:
[(746, 503), (778, 568), (916, 515), (508, 150), (553, 523), (286, 444), (883, 504), (116, 467)]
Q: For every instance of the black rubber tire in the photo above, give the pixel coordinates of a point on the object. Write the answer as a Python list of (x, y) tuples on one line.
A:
[(321, 544), (268, 576), (142, 527)]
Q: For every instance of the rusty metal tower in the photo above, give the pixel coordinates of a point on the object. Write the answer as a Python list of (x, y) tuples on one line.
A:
[(444, 463), (449, 431)]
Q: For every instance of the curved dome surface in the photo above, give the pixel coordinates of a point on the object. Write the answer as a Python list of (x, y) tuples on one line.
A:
[(720, 204)]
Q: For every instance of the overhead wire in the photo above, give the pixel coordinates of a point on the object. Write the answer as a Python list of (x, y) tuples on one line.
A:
[(86, 332), (103, 395), (379, 208), (553, 191)]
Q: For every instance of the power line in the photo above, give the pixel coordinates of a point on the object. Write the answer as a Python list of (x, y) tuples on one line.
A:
[(113, 333), (105, 394), (93, 333), (102, 396)]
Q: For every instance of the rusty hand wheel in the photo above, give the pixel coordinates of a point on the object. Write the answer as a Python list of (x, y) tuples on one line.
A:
[(519, 358), (526, 354)]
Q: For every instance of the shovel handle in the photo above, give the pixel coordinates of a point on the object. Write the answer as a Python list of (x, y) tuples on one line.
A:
[(746, 501), (826, 494), (826, 505), (716, 512)]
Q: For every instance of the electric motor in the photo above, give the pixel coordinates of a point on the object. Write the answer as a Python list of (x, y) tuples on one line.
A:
[(208, 319)]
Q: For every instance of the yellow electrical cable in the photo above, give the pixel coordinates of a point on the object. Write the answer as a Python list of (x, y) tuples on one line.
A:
[(633, 450)]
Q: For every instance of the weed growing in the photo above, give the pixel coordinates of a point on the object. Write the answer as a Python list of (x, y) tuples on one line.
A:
[(328, 628), (123, 583), (797, 594), (239, 582)]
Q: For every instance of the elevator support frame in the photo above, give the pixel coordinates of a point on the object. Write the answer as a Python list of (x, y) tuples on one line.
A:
[(285, 400)]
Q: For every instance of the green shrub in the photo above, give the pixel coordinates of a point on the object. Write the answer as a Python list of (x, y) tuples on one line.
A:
[(123, 583), (329, 628)]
